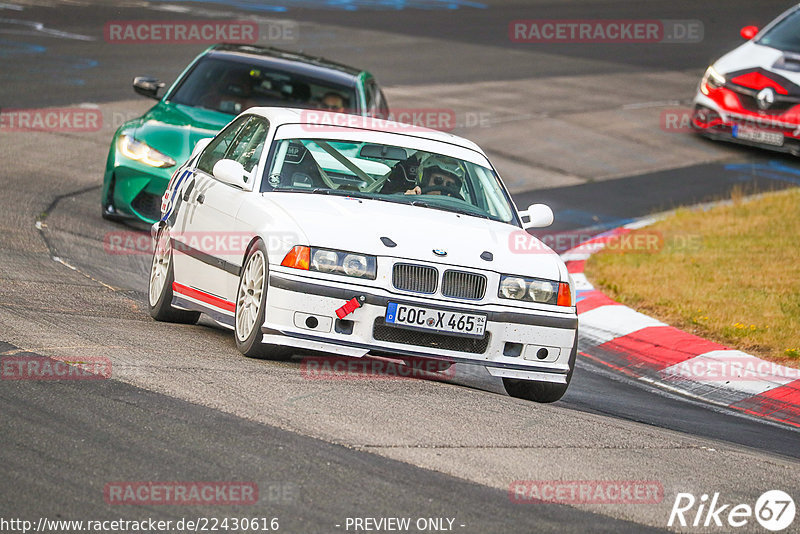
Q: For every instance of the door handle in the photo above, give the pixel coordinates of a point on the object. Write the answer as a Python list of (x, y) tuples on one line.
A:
[(188, 191), (201, 198)]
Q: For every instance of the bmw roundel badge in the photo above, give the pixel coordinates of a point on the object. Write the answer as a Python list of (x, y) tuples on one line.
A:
[(440, 252)]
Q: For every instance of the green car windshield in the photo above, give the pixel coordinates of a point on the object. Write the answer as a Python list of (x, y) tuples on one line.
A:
[(389, 173), (232, 87)]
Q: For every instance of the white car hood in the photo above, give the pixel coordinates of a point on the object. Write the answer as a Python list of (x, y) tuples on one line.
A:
[(750, 56), (357, 225)]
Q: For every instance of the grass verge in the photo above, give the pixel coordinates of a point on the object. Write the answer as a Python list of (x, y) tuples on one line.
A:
[(730, 274)]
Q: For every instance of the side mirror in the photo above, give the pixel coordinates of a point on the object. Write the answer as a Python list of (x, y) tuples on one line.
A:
[(748, 32), (148, 87), (232, 173), (200, 146), (539, 216)]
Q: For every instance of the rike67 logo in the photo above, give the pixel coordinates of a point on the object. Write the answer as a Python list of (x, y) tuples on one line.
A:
[(774, 510)]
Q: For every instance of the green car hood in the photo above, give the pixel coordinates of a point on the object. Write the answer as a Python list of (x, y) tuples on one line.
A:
[(174, 129)]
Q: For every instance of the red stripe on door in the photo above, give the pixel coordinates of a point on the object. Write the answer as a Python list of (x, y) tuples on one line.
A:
[(203, 296)]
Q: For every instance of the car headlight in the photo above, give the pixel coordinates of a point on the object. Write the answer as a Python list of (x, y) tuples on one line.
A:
[(325, 260), (355, 265), (535, 290), (542, 290), (140, 151), (512, 287), (711, 80)]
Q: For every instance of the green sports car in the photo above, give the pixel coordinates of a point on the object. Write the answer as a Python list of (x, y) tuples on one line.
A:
[(219, 84)]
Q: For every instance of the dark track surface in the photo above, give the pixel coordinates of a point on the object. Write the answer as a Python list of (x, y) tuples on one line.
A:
[(87, 433)]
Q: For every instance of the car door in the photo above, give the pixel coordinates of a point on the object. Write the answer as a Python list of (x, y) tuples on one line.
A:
[(212, 241)]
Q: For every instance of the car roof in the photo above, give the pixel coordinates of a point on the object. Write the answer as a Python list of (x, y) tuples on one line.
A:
[(279, 116), (292, 62)]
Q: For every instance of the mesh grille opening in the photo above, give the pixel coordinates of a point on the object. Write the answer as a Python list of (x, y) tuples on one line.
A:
[(147, 205), (392, 334)]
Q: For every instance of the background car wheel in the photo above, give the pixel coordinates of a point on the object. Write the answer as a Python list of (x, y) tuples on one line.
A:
[(159, 293), (251, 299), (542, 391)]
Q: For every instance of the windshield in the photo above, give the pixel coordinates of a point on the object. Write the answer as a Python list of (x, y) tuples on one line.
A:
[(389, 173), (232, 87), (785, 35)]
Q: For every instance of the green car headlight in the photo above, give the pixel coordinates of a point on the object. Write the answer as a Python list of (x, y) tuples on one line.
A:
[(140, 151), (345, 263)]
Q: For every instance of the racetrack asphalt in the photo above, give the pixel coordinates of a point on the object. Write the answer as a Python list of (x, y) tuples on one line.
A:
[(183, 405)]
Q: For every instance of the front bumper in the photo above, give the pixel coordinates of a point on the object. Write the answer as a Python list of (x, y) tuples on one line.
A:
[(722, 122), (511, 347), (137, 190)]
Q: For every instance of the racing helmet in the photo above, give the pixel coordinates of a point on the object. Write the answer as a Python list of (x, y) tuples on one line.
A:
[(441, 164)]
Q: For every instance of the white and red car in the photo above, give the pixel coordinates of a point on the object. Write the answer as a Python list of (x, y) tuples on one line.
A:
[(364, 238), (751, 95)]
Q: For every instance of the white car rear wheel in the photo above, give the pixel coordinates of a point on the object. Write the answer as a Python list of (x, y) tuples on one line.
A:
[(159, 291)]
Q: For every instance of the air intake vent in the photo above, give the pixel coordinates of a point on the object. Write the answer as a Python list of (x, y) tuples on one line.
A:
[(463, 285), (416, 278)]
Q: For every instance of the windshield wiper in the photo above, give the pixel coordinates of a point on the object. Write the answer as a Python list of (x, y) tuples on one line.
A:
[(423, 204), (464, 212)]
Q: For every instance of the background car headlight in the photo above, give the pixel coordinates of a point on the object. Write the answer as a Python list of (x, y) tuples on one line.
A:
[(711, 80), (535, 290), (326, 260), (140, 151)]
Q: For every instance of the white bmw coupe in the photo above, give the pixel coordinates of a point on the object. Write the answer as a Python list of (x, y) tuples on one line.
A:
[(310, 231)]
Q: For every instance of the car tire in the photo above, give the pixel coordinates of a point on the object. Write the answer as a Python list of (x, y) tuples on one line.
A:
[(251, 303), (159, 291), (543, 392)]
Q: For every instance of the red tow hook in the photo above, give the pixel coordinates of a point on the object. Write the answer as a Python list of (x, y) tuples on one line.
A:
[(350, 306)]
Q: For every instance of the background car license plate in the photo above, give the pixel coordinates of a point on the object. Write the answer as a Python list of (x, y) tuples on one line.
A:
[(466, 324), (758, 136)]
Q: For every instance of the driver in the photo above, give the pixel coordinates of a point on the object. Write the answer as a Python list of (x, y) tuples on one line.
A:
[(439, 175)]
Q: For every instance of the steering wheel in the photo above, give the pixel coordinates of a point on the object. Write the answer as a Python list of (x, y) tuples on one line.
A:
[(443, 189)]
